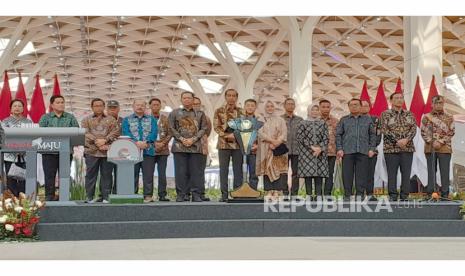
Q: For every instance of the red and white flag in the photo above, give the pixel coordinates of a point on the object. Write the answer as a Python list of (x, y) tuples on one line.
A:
[(399, 90), (364, 95), (381, 103), (5, 98), (379, 107), (417, 107), (433, 91), (56, 89), (21, 94), (37, 103)]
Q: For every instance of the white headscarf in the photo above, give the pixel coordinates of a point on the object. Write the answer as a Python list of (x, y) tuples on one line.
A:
[(267, 115), (309, 113)]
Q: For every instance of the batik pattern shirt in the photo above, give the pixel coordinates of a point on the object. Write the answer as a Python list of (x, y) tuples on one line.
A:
[(164, 135), (15, 122), (220, 124), (99, 127), (331, 122), (397, 125), (187, 124), (52, 120), (141, 129), (440, 127)]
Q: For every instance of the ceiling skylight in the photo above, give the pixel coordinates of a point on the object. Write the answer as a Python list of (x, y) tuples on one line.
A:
[(29, 48), (210, 87), (240, 53)]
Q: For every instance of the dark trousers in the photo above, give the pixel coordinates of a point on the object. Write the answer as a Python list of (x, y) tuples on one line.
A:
[(329, 181), (148, 167), (370, 183), (252, 166), (188, 173), (13, 185), (318, 185), (50, 163), (279, 184), (161, 162), (394, 161), (202, 177), (114, 179), (294, 160), (225, 155), (93, 166), (444, 168), (354, 163)]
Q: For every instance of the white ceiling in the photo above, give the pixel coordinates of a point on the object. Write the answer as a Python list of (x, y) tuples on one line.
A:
[(147, 56)]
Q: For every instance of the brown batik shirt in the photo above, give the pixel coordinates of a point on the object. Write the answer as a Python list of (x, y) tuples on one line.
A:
[(440, 127), (99, 127), (204, 139), (164, 135), (220, 125), (186, 123), (331, 122)]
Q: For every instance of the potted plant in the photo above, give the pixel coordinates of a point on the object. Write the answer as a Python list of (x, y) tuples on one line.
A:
[(19, 217), (462, 211)]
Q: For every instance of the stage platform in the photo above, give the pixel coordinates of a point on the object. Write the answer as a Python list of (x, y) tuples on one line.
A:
[(79, 221)]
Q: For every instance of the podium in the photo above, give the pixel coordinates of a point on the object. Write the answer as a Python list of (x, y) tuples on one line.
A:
[(49, 140), (125, 154)]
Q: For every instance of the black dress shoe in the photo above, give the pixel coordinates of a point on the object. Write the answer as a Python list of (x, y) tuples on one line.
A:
[(328, 198), (358, 198), (392, 198), (223, 199), (428, 198), (187, 198), (196, 199), (372, 199), (319, 198), (162, 198), (204, 198), (51, 198)]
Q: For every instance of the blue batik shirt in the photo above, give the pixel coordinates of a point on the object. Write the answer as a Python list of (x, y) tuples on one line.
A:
[(141, 129)]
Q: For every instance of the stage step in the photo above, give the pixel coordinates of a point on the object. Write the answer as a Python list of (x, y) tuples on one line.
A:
[(251, 228), (195, 220), (223, 211)]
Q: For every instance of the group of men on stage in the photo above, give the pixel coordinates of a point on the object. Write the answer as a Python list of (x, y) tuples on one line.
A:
[(352, 140)]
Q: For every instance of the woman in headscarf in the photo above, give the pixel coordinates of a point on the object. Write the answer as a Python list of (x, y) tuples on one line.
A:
[(16, 119), (312, 138), (273, 167)]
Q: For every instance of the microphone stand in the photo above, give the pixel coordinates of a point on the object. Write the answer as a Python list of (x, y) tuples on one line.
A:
[(434, 164), (433, 158)]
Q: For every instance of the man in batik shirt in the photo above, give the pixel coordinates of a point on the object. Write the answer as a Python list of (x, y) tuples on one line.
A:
[(437, 129)]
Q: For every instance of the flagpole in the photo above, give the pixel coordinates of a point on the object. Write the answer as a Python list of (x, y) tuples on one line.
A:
[(433, 155), (433, 151)]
